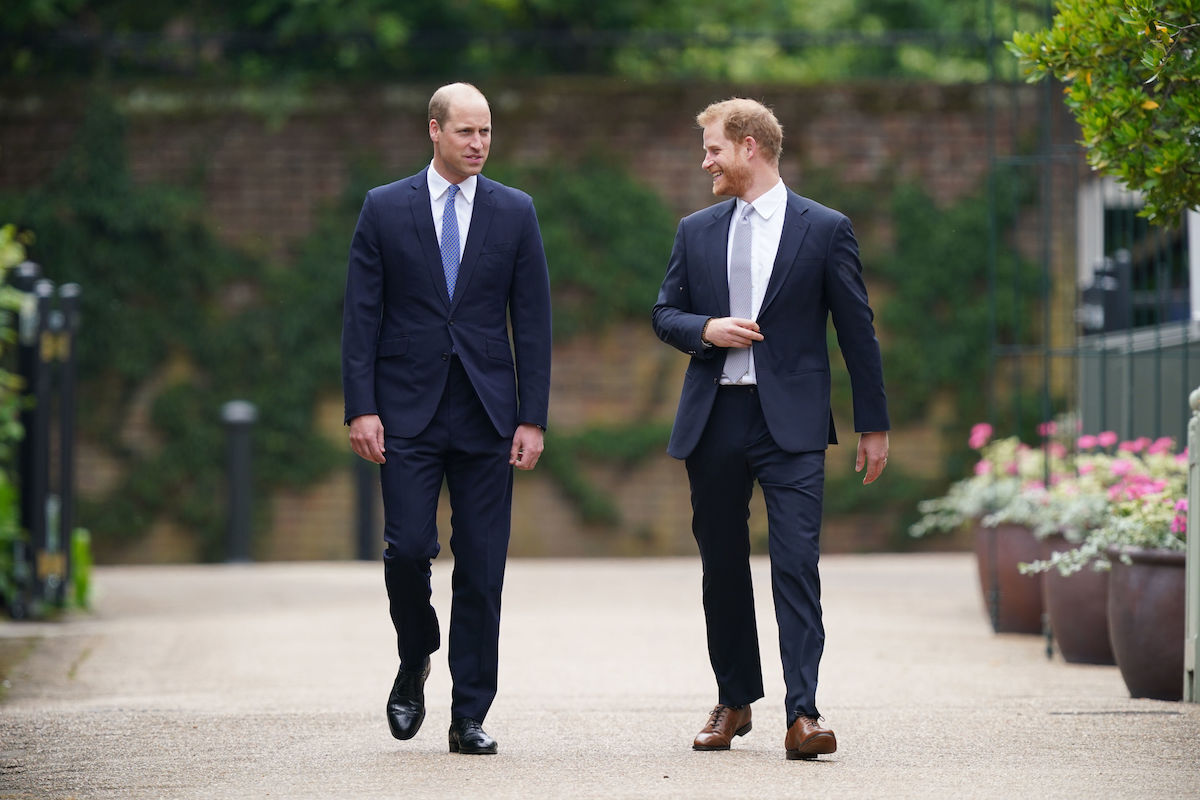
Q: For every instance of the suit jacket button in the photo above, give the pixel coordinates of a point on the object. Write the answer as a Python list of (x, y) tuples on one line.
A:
[(445, 356)]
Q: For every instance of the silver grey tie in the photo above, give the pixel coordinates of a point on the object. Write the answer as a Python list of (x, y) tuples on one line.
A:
[(737, 359)]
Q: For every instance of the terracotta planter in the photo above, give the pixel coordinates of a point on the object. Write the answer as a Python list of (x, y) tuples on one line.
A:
[(1077, 607), (1012, 601), (1145, 621)]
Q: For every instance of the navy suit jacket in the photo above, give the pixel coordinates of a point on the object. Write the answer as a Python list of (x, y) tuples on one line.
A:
[(400, 326), (817, 275)]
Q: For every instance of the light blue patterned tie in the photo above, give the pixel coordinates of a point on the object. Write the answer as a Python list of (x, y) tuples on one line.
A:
[(737, 359), (450, 254)]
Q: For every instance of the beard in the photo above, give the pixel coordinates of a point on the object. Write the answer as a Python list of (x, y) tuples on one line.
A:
[(734, 181)]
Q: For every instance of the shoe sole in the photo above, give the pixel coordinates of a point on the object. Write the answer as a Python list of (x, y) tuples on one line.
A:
[(742, 731), (820, 745), (487, 751)]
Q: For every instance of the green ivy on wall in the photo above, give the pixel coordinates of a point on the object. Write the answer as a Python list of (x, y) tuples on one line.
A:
[(607, 239), (162, 336), (176, 323)]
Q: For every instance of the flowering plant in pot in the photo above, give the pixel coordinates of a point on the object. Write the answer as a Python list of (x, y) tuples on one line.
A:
[(1065, 512), (1004, 466), (1014, 603), (1135, 498), (1140, 538)]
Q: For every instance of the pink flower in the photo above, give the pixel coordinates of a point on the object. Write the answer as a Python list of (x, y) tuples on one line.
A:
[(1179, 524), (983, 467), (1182, 458), (1161, 445), (1086, 442), (1120, 467), (1085, 469), (1035, 485), (980, 434), (1107, 439), (1047, 429), (1136, 446), (1057, 450)]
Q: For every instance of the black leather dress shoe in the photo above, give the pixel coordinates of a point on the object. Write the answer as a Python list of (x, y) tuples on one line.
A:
[(468, 736), (406, 703)]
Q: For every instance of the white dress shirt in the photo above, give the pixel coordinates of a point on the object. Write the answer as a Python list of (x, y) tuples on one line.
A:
[(766, 229), (464, 201)]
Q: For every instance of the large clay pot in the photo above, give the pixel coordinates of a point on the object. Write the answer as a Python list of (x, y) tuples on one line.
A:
[(1077, 607), (1145, 621), (1012, 601)]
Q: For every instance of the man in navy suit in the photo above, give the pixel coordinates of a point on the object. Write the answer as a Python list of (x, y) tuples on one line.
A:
[(748, 292), (438, 387)]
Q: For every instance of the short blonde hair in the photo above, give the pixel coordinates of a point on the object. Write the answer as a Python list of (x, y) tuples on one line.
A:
[(742, 118)]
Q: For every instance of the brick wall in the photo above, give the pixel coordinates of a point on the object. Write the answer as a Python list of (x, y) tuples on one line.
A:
[(266, 173)]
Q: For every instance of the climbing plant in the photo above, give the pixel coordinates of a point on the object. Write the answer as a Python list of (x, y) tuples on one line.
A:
[(166, 337)]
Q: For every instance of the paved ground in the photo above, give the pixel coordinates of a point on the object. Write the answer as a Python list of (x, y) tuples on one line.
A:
[(268, 681)]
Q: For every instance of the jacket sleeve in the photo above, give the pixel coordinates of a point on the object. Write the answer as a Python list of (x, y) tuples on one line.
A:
[(361, 314), (846, 298), (674, 319), (532, 327)]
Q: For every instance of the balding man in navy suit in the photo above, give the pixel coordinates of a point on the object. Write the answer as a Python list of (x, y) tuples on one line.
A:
[(749, 289), (440, 387)]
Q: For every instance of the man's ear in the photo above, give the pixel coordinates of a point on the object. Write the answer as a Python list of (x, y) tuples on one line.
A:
[(434, 130), (749, 146)]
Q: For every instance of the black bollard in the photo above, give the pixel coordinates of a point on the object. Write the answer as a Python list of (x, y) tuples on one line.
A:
[(239, 417), (68, 298), (366, 490)]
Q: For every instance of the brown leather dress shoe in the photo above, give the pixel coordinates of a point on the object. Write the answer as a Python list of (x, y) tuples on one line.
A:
[(807, 739), (724, 723)]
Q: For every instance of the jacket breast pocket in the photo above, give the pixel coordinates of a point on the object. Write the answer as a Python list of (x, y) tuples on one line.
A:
[(389, 348), (498, 248)]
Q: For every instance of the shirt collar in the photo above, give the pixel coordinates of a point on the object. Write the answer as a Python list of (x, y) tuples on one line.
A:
[(767, 203), (439, 185)]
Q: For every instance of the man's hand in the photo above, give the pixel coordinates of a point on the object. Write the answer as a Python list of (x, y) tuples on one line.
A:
[(873, 452), (526, 447), (366, 437), (732, 332)]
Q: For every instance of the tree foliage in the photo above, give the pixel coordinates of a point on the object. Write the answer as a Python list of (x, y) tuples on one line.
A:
[(735, 39), (1132, 75)]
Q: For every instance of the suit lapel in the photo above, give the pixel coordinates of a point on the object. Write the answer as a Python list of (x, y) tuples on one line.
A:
[(794, 229), (481, 220), (422, 214), (715, 246)]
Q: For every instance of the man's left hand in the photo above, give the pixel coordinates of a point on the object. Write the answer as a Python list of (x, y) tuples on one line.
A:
[(526, 447), (872, 452)]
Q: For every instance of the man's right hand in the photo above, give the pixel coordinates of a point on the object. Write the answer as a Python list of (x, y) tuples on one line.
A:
[(732, 332), (366, 437)]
